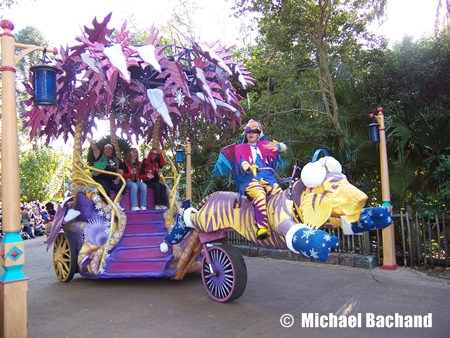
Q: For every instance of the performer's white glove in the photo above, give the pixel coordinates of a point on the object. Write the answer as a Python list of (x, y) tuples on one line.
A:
[(245, 166)]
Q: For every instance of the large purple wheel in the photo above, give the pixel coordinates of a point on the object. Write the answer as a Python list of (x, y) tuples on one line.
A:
[(228, 278)]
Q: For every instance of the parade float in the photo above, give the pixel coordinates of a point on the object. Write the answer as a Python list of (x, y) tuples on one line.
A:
[(145, 91)]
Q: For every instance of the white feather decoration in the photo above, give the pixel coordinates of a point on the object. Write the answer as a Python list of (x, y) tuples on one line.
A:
[(117, 59), (71, 214), (217, 58), (147, 53), (202, 97), (86, 57), (156, 97), (242, 81), (225, 105)]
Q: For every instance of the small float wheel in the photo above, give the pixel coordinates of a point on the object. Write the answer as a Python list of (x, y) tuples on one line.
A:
[(64, 257), (228, 279)]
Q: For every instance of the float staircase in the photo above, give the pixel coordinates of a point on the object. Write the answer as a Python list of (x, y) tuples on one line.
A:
[(137, 254)]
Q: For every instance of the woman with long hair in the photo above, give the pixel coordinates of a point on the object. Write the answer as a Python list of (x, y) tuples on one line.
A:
[(134, 181)]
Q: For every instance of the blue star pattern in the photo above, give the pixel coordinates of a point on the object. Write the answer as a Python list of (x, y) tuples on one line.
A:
[(308, 233), (313, 243), (313, 254), (178, 232), (180, 229), (372, 219)]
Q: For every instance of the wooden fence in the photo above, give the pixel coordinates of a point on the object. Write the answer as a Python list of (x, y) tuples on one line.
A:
[(419, 241)]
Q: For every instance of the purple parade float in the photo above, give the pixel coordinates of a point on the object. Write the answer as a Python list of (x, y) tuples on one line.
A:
[(145, 91)]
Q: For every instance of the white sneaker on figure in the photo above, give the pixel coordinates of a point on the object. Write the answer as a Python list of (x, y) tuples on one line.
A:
[(135, 209), (143, 207)]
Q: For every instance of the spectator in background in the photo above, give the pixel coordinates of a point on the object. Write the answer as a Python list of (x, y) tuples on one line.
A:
[(50, 207), (39, 226), (26, 220), (47, 222)]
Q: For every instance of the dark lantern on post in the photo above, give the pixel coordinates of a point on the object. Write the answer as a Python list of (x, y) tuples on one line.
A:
[(44, 81), (374, 132)]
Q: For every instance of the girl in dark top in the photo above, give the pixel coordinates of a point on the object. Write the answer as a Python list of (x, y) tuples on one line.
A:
[(108, 161)]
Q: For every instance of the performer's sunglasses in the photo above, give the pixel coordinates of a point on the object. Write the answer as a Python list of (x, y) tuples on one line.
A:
[(254, 131)]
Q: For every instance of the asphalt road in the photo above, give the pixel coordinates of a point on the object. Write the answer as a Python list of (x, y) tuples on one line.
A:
[(168, 308)]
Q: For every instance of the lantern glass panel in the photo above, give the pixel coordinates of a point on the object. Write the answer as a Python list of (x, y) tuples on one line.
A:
[(374, 132), (180, 156), (44, 84)]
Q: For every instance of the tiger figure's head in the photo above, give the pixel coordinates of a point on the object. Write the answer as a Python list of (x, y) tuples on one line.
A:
[(324, 192)]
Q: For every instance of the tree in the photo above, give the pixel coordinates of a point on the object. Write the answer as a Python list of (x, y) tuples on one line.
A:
[(182, 17), (10, 3), (321, 33), (43, 172), (442, 22), (32, 36), (435, 203), (29, 36), (410, 82), (309, 57)]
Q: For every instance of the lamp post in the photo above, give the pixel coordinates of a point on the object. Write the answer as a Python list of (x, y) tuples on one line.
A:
[(186, 149), (13, 283), (389, 261)]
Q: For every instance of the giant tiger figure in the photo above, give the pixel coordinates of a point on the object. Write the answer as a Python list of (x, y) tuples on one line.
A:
[(322, 196)]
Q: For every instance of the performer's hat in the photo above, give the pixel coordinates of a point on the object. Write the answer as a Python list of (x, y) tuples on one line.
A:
[(252, 125)]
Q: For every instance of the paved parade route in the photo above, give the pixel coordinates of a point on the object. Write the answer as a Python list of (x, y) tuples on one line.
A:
[(291, 293)]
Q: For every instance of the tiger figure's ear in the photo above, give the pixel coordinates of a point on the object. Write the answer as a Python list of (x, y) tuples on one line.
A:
[(313, 174)]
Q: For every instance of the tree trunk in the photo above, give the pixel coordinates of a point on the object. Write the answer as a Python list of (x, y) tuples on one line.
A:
[(325, 80), (156, 133), (113, 136), (328, 96), (77, 150)]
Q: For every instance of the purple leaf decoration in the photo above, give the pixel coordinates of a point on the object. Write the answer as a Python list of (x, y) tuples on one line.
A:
[(100, 31), (192, 81), (209, 54), (176, 77)]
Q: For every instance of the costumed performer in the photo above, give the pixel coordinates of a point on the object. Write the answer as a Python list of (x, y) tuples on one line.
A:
[(253, 153)]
